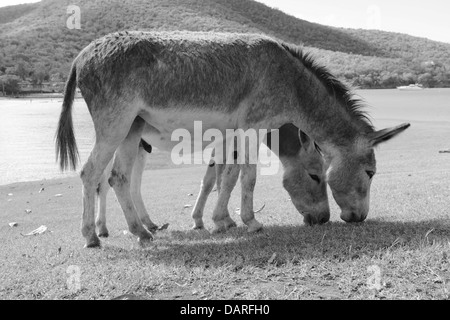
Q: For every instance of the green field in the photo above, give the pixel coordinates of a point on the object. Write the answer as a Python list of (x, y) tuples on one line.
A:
[(405, 240)]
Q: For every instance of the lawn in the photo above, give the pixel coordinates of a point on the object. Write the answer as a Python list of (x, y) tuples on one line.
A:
[(401, 252)]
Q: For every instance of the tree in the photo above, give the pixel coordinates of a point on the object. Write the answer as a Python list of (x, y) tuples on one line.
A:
[(21, 70), (427, 80), (408, 78), (443, 78), (9, 84), (40, 75)]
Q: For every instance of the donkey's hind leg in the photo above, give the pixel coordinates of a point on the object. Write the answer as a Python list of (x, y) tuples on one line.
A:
[(136, 179), (102, 192), (120, 179), (136, 182), (110, 131), (91, 175)]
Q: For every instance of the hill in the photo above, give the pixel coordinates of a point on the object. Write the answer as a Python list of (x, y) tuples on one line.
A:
[(36, 45)]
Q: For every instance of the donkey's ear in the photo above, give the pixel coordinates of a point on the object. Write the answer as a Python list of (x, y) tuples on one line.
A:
[(305, 141), (386, 134)]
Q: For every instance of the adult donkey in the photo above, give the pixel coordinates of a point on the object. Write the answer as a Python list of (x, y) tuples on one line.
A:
[(227, 81), (303, 179)]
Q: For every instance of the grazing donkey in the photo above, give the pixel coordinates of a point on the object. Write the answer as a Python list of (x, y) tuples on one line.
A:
[(304, 179), (168, 80)]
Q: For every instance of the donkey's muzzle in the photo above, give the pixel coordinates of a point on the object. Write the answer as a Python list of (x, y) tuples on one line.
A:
[(352, 217), (310, 219)]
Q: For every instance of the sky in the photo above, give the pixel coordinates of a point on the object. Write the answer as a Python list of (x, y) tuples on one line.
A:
[(429, 19)]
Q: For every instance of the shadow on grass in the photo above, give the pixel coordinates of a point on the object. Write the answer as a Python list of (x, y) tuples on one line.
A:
[(289, 244)]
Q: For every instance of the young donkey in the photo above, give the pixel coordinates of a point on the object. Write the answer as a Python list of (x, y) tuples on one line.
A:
[(227, 81), (304, 179)]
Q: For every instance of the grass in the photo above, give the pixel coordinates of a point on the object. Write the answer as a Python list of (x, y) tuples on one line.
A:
[(406, 238)]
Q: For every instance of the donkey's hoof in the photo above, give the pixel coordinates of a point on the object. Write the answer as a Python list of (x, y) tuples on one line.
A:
[(145, 241), (254, 226), (198, 227), (219, 228), (94, 242), (229, 223), (145, 237), (151, 227), (198, 224), (103, 233)]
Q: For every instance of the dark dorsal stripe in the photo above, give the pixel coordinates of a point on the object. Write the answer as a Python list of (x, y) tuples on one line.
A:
[(333, 85), (146, 146)]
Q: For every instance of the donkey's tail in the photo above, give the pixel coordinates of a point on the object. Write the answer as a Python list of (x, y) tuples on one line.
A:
[(66, 146)]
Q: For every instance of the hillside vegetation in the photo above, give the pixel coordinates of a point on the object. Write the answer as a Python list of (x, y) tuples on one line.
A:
[(37, 46)]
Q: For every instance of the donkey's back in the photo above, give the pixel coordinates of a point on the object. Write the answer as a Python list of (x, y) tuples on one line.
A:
[(213, 70)]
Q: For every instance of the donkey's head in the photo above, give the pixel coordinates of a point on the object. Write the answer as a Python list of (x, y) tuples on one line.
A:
[(351, 171), (304, 175)]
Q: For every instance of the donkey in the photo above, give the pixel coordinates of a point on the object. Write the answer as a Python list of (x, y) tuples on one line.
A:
[(304, 179), (228, 81)]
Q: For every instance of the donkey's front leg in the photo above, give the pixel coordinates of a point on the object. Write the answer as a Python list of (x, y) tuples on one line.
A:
[(221, 216), (248, 180), (136, 182), (229, 223), (121, 178), (206, 187)]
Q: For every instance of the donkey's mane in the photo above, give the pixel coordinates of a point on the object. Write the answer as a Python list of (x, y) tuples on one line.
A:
[(334, 86)]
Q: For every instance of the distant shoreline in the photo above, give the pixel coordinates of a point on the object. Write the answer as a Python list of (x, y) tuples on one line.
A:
[(79, 96), (40, 96)]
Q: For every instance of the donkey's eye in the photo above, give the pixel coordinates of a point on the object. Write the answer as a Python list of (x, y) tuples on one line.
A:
[(370, 174), (315, 177)]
